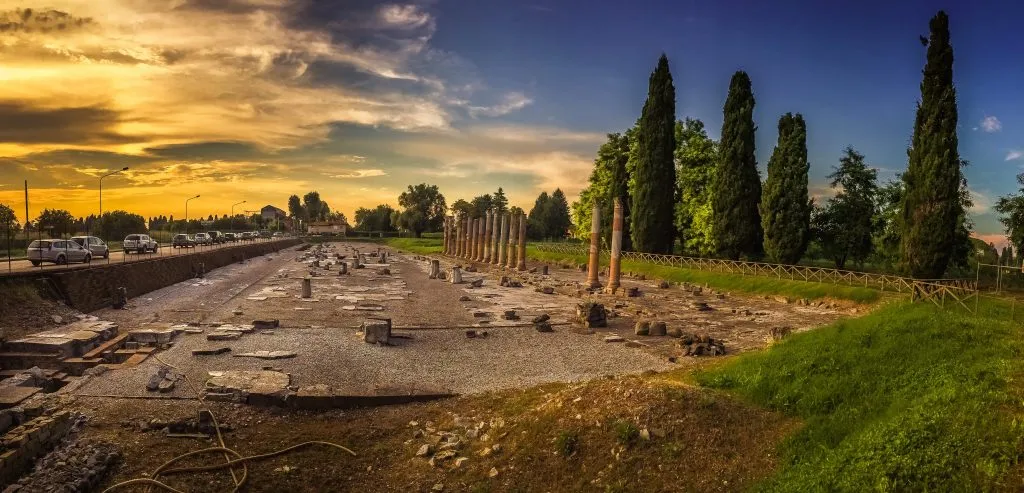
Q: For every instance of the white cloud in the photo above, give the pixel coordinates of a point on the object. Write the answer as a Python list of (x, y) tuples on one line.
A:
[(991, 124), (513, 101), (980, 202), (357, 173), (1012, 155)]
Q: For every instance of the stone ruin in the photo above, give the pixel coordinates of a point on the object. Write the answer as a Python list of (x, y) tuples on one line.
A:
[(701, 345), (591, 315)]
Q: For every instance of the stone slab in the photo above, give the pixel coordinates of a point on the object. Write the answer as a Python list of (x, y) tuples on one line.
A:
[(12, 396)]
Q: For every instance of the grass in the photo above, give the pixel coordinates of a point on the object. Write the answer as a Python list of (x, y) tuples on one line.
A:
[(420, 246), (907, 398), (761, 285)]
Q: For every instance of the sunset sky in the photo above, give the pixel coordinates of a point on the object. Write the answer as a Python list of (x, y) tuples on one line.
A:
[(260, 99)]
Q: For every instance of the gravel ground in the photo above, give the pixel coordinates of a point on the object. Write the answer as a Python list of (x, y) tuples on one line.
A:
[(330, 352)]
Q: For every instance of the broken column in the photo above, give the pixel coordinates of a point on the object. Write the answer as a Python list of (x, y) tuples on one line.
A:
[(474, 233), (343, 268), (435, 268), (456, 276), (513, 233), (481, 234), (457, 247), (522, 243), (465, 237), (488, 230), (595, 248), (447, 236), (307, 287), (503, 240), (614, 266)]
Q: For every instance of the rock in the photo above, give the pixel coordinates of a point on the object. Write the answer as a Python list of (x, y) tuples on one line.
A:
[(265, 324), (663, 285), (591, 315), (544, 270), (674, 332), (779, 333), (642, 328), (645, 434), (377, 331), (237, 311), (464, 298), (613, 338), (493, 472), (460, 460), (657, 329), (510, 315), (57, 319), (166, 385), (384, 271), (547, 290), (440, 457), (210, 351), (224, 335), (154, 382), (438, 486), (544, 317), (477, 283), (700, 306), (425, 450), (543, 327), (471, 268), (633, 292)]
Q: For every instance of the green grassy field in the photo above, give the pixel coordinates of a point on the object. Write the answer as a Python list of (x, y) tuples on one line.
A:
[(907, 398)]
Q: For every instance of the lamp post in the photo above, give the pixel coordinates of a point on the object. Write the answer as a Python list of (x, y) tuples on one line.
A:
[(186, 212), (233, 215), (101, 186)]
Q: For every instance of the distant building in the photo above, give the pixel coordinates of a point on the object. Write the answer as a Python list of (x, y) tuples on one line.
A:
[(271, 213), (331, 227)]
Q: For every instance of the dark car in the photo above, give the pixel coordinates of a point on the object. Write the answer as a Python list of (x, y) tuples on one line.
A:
[(230, 237), (216, 237), (183, 241)]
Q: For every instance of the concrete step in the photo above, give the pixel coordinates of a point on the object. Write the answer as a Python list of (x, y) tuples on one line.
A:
[(107, 347), (22, 360), (77, 366)]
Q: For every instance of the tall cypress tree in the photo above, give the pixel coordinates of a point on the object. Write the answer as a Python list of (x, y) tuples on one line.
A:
[(737, 228), (932, 205), (653, 202), (785, 207)]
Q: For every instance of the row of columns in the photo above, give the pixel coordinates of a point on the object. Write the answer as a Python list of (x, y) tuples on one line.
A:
[(497, 239), (500, 239)]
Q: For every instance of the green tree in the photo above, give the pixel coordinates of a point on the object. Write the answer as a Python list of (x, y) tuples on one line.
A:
[(652, 216), (785, 205), (1011, 214), (424, 209), (846, 226), (1006, 257), (8, 222), (461, 209), (537, 219), (313, 206), (558, 221), (932, 209), (115, 225), (888, 224), (57, 222), (737, 185), (481, 204), (499, 201), (378, 219), (295, 209), (608, 180), (696, 155)]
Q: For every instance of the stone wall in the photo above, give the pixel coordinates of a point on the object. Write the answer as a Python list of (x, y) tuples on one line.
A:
[(27, 441), (94, 288)]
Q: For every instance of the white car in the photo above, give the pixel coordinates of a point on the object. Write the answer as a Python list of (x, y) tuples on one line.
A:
[(203, 239), (139, 244)]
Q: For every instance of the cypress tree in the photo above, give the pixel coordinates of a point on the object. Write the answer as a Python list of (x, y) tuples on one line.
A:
[(737, 185), (785, 207), (932, 206), (653, 191), (619, 188)]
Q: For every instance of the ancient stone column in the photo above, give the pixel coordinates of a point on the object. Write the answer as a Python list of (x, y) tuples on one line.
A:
[(475, 242), (458, 239), (307, 287), (614, 266), (503, 240), (488, 231), (456, 277), (513, 233), (481, 233), (435, 268), (444, 240), (595, 248), (522, 242), (495, 236), (465, 237), (343, 268)]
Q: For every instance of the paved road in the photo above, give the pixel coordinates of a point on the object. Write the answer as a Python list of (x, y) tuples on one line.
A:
[(165, 250)]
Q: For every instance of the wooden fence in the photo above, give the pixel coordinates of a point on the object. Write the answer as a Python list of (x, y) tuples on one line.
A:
[(938, 291)]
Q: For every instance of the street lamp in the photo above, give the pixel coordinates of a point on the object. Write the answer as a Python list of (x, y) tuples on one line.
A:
[(101, 186), (233, 215), (186, 212)]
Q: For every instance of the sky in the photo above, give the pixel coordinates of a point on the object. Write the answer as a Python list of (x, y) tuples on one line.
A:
[(256, 100)]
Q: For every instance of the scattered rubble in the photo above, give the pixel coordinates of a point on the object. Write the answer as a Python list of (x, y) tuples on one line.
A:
[(591, 315)]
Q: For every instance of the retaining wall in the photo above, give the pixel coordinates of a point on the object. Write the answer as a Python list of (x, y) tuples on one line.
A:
[(94, 288)]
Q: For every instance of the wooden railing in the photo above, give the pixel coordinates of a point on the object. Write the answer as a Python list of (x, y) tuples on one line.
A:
[(936, 290)]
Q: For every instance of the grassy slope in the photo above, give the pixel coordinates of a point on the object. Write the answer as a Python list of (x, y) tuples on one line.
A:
[(907, 398), (717, 280)]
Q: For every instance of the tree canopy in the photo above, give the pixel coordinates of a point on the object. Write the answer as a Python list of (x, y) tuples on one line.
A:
[(424, 209), (653, 184), (785, 206), (735, 206)]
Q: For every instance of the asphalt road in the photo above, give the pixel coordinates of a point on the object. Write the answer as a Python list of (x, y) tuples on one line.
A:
[(115, 257)]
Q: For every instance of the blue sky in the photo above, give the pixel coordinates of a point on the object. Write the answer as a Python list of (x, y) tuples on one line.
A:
[(259, 99)]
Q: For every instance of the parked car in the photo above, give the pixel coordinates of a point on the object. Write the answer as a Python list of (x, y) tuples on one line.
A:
[(230, 237), (278, 234), (140, 244), (96, 246), (265, 234), (57, 251), (216, 237), (202, 239), (183, 241), (246, 235)]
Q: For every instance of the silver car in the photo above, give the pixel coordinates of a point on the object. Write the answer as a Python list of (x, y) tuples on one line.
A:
[(139, 244), (96, 246), (57, 251)]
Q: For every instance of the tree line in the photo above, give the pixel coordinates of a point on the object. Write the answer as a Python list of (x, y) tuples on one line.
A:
[(682, 191)]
